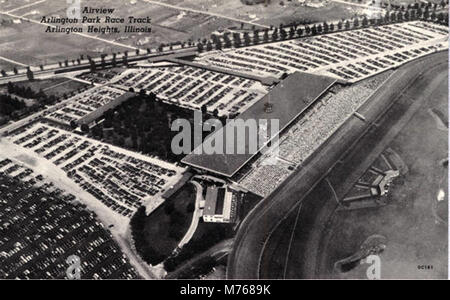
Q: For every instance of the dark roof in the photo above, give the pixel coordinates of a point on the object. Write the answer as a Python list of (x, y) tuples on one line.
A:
[(289, 99), (220, 201), (210, 201)]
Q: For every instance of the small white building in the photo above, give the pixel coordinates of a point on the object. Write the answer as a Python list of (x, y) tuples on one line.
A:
[(218, 205)]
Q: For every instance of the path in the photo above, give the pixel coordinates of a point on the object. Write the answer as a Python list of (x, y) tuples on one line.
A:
[(196, 217)]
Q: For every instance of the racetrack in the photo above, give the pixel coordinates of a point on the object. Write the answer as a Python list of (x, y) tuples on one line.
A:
[(247, 259)]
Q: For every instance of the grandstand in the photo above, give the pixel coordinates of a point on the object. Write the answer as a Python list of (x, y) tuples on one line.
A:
[(288, 99), (305, 135)]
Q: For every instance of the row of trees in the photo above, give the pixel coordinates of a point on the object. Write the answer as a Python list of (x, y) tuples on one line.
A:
[(425, 11), (281, 33)]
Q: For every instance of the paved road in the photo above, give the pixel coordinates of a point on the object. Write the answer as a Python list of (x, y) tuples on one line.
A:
[(195, 217), (269, 213), (217, 252)]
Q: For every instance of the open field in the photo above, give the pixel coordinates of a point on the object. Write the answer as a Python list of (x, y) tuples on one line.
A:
[(169, 24), (37, 47), (275, 13)]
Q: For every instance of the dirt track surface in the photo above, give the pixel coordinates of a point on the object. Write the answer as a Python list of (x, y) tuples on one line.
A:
[(246, 259)]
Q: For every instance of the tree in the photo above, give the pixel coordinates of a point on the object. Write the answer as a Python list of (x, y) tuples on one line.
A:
[(275, 35), (209, 46), (103, 60), (84, 128), (256, 37), (227, 41), (406, 15), (347, 24), (200, 47), (30, 74), (365, 22), (218, 44), (283, 34), (114, 60), (92, 64), (125, 60), (319, 28), (237, 39), (247, 39), (314, 30), (266, 35), (291, 32)]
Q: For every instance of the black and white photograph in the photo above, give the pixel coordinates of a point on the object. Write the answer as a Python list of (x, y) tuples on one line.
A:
[(217, 141)]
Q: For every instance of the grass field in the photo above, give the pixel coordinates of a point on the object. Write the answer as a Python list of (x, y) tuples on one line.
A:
[(27, 43), (166, 226), (37, 47), (274, 13)]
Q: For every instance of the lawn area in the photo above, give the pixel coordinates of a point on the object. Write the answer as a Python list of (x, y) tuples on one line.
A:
[(157, 235)]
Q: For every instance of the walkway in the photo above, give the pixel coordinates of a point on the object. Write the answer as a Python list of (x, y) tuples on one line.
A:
[(198, 212)]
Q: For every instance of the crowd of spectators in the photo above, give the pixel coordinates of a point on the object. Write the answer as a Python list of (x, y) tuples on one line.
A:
[(307, 133)]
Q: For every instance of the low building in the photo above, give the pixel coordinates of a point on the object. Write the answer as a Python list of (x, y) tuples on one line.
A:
[(218, 205)]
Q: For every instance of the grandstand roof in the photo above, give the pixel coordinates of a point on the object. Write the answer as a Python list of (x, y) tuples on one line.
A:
[(289, 98)]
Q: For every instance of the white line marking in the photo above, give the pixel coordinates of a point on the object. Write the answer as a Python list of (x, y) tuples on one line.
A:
[(290, 241), (25, 6), (13, 61)]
